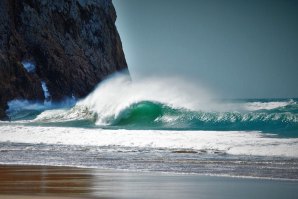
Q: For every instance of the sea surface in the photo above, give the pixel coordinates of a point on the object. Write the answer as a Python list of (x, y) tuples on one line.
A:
[(160, 125)]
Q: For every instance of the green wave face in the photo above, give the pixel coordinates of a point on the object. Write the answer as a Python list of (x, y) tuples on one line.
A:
[(139, 114), (152, 115)]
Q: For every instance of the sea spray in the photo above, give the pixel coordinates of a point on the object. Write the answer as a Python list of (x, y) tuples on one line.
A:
[(28, 110), (30, 68), (46, 92), (118, 92)]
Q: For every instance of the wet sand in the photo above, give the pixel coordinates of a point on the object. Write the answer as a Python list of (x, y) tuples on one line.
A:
[(34, 182)]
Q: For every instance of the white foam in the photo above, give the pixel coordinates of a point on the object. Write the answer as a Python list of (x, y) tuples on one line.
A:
[(230, 142), (59, 115), (46, 92)]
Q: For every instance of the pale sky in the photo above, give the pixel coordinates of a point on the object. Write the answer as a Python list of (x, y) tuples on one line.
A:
[(237, 48)]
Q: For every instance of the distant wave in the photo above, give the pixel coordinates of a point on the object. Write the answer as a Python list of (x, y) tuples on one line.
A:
[(254, 106), (26, 109)]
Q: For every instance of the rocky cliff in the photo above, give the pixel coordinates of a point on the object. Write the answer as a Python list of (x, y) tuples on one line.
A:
[(68, 46)]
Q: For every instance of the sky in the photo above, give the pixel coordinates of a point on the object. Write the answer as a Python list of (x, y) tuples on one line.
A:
[(236, 48)]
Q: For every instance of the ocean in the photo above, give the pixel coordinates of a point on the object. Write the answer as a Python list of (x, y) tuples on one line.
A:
[(160, 125)]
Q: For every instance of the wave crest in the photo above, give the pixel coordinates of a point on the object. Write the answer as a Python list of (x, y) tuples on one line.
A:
[(171, 104)]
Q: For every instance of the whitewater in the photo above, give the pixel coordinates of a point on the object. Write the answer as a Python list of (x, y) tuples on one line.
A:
[(155, 124)]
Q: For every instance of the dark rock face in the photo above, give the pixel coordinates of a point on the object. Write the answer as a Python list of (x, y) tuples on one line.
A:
[(74, 44)]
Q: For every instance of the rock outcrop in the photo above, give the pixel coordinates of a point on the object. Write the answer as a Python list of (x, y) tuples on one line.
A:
[(72, 44)]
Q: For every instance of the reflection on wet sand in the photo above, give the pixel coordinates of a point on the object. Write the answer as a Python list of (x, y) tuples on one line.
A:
[(44, 180), (35, 182)]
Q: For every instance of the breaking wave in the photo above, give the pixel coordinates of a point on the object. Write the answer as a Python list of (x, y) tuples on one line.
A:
[(171, 104), (148, 114)]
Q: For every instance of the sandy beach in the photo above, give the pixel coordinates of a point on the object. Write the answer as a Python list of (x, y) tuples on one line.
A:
[(68, 182), (43, 182)]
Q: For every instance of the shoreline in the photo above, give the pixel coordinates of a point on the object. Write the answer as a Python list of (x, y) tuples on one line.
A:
[(165, 173), (32, 181)]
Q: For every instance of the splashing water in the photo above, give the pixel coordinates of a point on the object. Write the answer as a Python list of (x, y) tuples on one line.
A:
[(173, 104), (46, 92), (118, 93)]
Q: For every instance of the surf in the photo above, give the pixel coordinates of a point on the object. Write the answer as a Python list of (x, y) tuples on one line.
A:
[(162, 104)]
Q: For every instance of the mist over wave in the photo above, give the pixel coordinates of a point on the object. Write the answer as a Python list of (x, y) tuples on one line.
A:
[(111, 98), (118, 93)]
